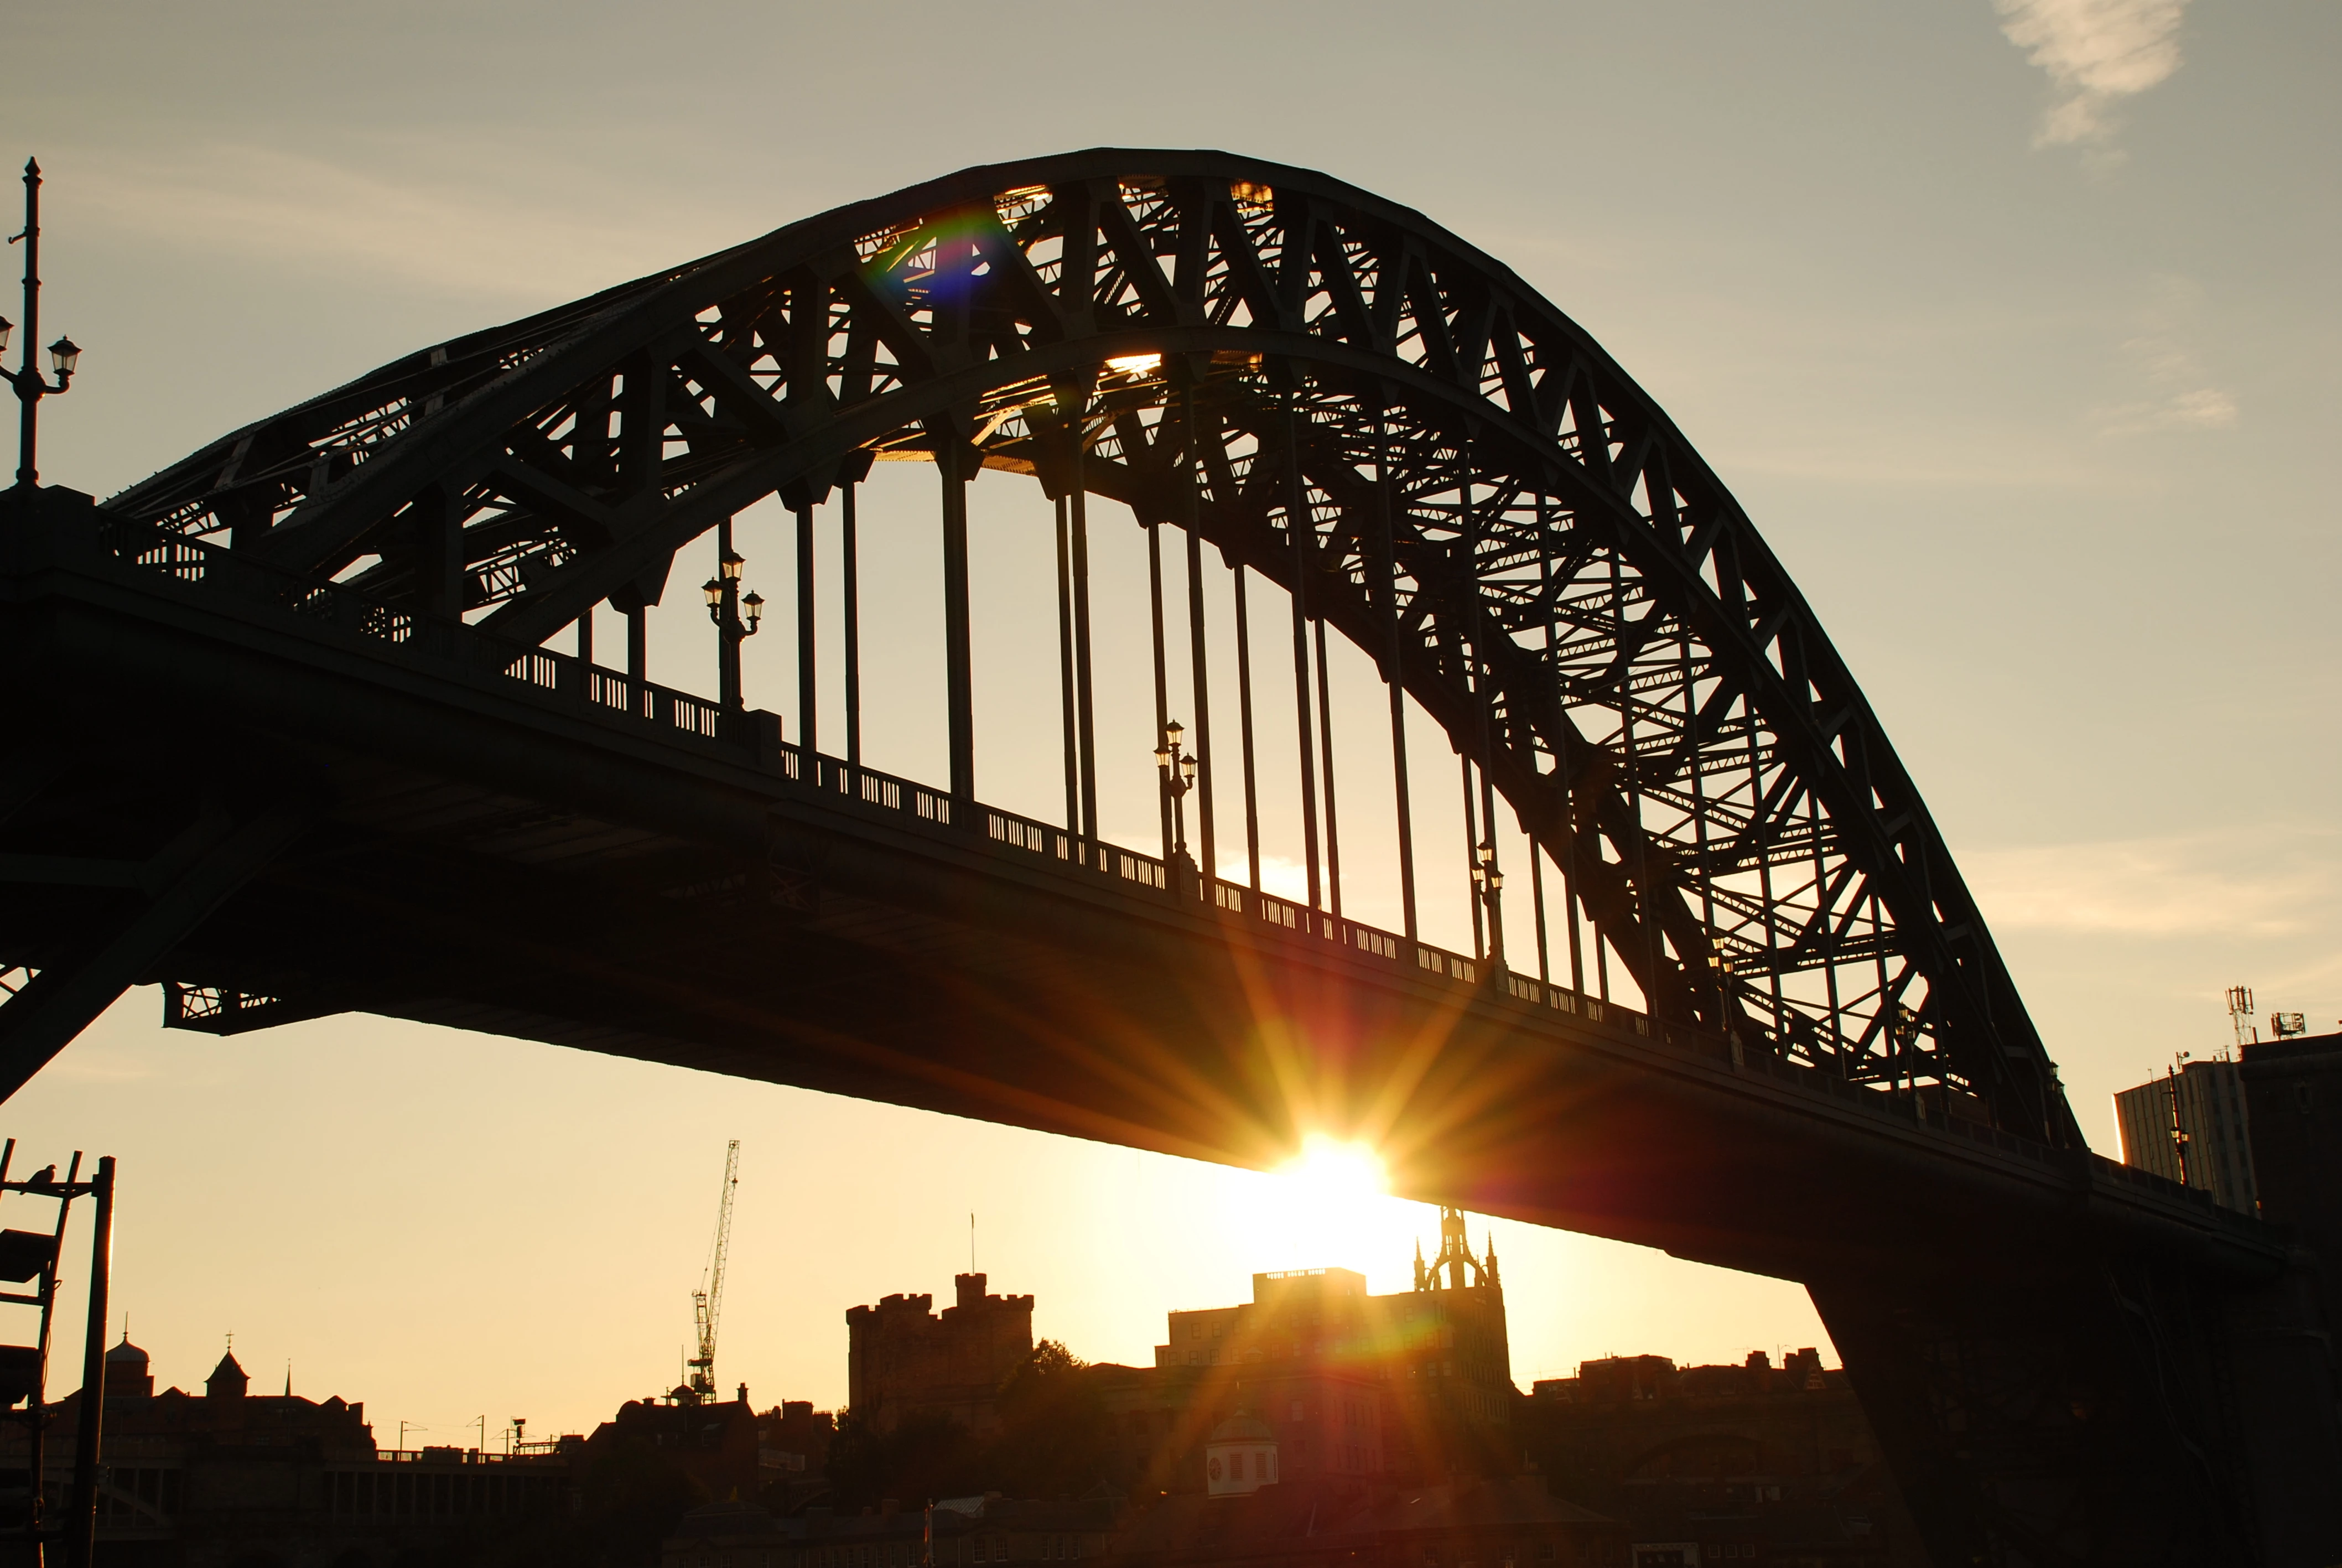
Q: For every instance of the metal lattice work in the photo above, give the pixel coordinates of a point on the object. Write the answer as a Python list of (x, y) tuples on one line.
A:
[(1337, 393)]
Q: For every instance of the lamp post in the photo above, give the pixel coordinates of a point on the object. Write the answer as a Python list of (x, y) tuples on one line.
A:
[(1488, 882), (1178, 770), (64, 354), (726, 608)]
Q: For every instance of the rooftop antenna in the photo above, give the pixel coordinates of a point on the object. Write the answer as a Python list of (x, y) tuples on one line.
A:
[(2179, 1139), (707, 1301), (2241, 1016), (971, 1241)]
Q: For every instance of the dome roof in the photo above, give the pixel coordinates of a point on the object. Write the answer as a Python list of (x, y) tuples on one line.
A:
[(1242, 1427), (125, 1351)]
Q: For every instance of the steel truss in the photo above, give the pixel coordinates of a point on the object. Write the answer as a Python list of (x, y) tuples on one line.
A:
[(1337, 393)]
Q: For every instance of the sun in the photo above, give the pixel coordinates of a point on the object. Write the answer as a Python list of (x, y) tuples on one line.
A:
[(1329, 1205), (1331, 1172)]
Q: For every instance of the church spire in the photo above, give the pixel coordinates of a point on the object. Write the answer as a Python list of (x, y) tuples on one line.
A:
[(1455, 1256), (227, 1380)]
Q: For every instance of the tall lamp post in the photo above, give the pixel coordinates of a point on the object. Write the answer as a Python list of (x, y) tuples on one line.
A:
[(1488, 882), (64, 354), (1178, 771), (726, 607)]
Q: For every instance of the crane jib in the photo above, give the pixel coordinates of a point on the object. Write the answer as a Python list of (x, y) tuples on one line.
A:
[(707, 1301)]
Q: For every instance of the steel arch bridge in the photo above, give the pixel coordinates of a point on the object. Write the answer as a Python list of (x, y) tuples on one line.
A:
[(1350, 402), (344, 612)]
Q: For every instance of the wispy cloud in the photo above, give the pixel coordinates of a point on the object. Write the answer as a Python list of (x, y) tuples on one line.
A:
[(2258, 883), (2097, 52), (476, 235), (2157, 359), (2205, 408)]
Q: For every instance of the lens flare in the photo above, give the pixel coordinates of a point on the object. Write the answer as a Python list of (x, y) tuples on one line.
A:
[(1330, 1206), (1331, 1171)]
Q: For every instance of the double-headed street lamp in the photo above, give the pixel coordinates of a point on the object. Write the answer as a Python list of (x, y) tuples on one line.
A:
[(1487, 882), (64, 354), (1719, 975), (726, 606), (1178, 771)]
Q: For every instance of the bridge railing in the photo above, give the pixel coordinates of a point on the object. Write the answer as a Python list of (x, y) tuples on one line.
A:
[(336, 607), (1055, 846)]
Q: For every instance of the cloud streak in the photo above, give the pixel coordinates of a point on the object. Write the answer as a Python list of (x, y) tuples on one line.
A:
[(2179, 393), (2248, 883), (2097, 52), (314, 215)]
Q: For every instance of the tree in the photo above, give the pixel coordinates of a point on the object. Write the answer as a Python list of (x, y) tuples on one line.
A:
[(927, 1455), (1056, 1439)]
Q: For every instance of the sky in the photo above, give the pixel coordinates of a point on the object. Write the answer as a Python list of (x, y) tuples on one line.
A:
[(2011, 326)]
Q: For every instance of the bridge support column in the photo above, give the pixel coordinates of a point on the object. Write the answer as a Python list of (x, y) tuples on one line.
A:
[(1077, 524), (1070, 746), (850, 590), (2097, 1408), (1301, 541), (1243, 736), (959, 673), (638, 654), (1325, 760), (1200, 666), (1206, 842), (1162, 675), (1394, 670), (1471, 860), (808, 670)]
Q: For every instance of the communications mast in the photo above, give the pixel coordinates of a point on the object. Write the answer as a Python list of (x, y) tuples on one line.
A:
[(707, 1301)]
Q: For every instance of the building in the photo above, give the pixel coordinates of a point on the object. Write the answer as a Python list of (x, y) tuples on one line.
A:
[(279, 1480), (1295, 1360), (2293, 1093), (2192, 1126), (1336, 1523), (905, 1360), (726, 1447), (952, 1533), (1417, 1384), (1712, 1464), (1239, 1457)]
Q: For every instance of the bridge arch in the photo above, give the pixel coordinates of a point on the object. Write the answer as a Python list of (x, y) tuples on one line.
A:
[(1340, 396)]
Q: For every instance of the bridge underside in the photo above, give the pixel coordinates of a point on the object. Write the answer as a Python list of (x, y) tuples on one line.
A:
[(278, 823)]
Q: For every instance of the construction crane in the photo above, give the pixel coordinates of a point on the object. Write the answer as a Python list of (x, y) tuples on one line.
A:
[(707, 1301)]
